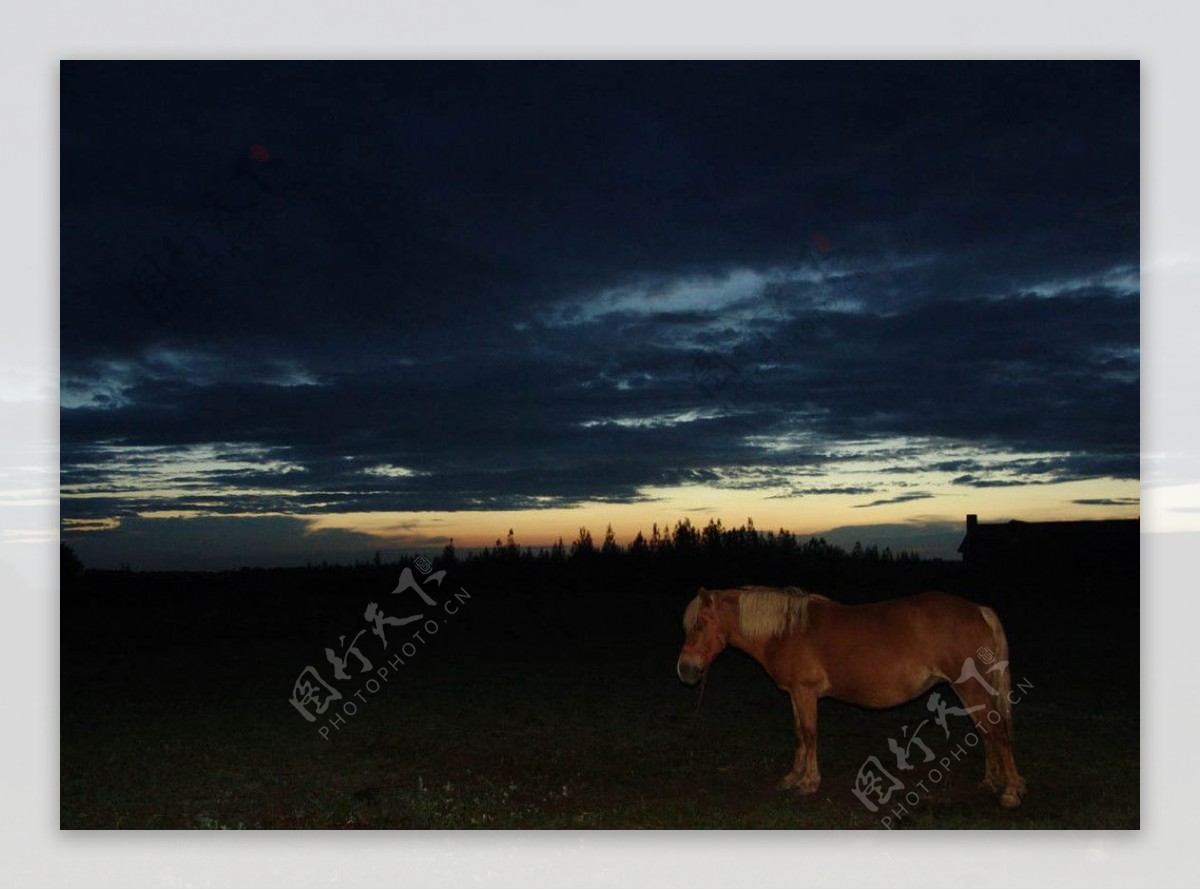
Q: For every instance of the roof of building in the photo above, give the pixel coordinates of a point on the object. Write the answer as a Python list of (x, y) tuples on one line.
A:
[(1016, 533)]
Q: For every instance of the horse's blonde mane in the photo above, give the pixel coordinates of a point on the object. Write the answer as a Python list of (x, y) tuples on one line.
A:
[(690, 613), (774, 611)]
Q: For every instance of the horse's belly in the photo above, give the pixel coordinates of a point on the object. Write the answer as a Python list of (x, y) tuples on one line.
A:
[(882, 690)]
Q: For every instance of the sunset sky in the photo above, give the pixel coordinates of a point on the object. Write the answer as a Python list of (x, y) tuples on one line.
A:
[(315, 310)]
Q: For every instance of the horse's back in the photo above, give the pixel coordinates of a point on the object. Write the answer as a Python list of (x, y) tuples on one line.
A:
[(932, 611), (929, 611)]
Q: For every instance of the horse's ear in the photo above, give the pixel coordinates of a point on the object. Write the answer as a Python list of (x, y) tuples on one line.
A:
[(705, 596)]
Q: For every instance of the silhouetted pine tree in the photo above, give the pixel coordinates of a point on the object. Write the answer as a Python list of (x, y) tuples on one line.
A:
[(610, 547), (583, 546)]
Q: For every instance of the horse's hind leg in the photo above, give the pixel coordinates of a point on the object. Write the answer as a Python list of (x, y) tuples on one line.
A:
[(1000, 773), (805, 775), (1012, 786)]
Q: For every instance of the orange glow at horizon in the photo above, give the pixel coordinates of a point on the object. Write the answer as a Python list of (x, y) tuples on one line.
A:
[(808, 515)]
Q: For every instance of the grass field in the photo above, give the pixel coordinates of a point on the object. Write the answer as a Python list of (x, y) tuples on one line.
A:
[(517, 714)]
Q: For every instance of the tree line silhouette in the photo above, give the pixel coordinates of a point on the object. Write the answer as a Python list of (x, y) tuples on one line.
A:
[(684, 556), (654, 574)]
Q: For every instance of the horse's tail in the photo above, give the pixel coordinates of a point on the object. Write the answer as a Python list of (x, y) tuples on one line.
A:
[(1003, 682)]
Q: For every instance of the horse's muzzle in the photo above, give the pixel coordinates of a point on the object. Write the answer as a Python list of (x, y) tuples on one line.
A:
[(689, 671)]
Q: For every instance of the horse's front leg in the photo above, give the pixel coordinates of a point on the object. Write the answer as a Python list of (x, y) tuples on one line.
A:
[(805, 775)]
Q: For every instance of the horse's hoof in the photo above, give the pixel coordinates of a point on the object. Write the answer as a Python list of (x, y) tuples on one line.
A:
[(792, 782), (989, 785), (1010, 799)]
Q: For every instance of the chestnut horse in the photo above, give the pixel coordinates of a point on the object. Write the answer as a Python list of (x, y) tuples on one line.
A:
[(877, 655)]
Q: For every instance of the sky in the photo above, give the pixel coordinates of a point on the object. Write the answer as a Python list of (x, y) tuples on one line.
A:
[(314, 310)]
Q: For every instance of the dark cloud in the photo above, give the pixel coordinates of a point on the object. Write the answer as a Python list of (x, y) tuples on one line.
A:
[(848, 489), (898, 499), (976, 482)]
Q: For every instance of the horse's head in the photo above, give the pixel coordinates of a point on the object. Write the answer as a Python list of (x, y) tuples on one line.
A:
[(705, 639)]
